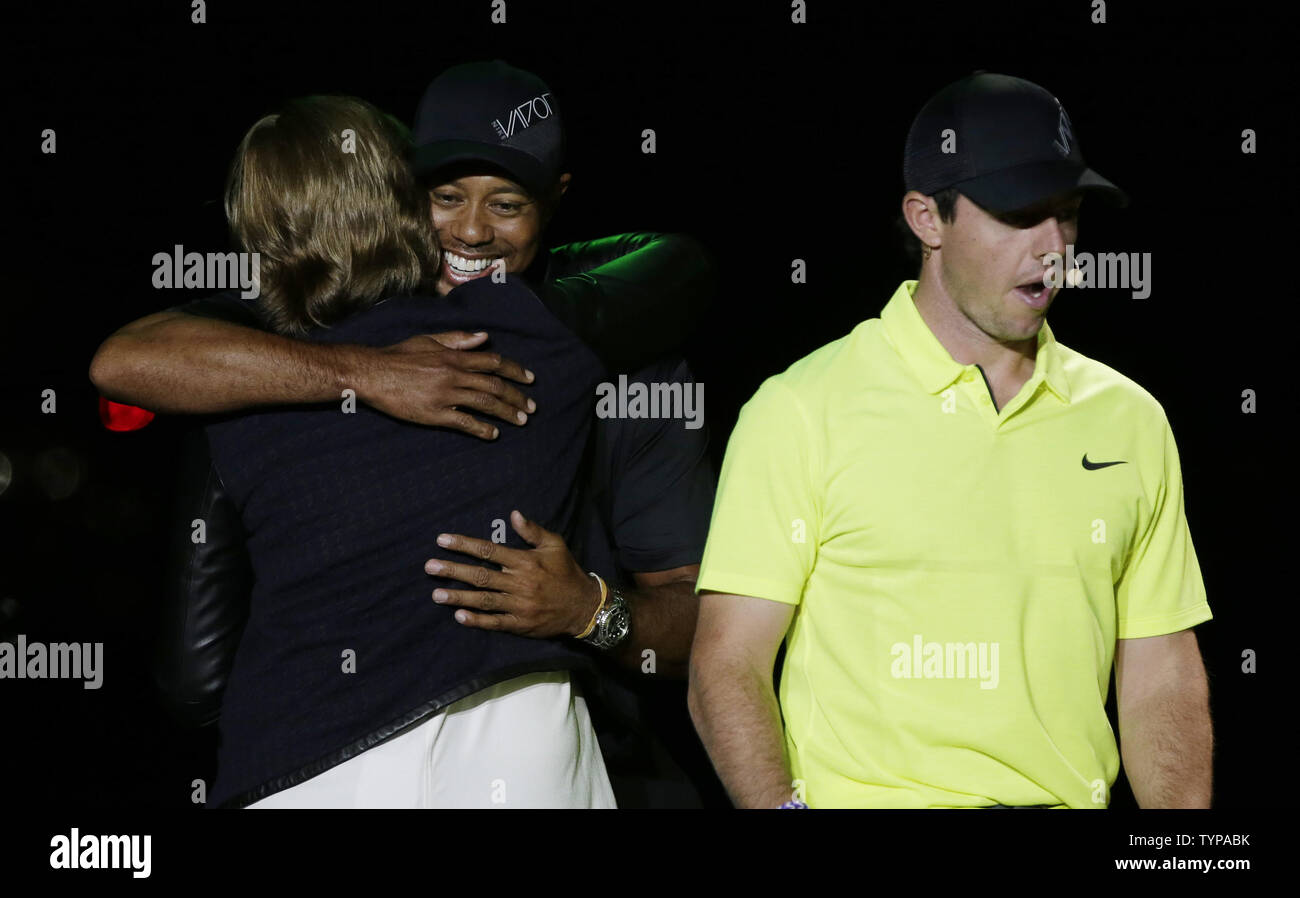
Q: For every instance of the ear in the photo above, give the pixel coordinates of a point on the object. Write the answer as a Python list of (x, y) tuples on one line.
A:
[(922, 217), (553, 201)]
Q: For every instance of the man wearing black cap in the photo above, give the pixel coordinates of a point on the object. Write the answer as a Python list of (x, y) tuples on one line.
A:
[(490, 144), (958, 524), (492, 136)]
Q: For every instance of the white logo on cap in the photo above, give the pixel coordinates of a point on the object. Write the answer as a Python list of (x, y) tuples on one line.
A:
[(1063, 131), (524, 114)]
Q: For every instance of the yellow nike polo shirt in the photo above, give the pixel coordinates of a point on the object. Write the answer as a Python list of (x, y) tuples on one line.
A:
[(961, 575)]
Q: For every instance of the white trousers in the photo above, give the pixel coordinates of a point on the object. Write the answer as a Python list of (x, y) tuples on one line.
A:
[(523, 743)]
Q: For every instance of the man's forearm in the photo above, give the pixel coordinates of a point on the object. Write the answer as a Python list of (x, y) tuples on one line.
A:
[(736, 714), (179, 363), (663, 622), (1167, 745)]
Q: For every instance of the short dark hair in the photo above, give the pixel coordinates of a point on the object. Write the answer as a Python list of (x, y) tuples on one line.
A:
[(336, 231), (946, 202)]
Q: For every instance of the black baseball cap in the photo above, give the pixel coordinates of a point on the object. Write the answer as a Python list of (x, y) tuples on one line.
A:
[(495, 113), (1014, 145)]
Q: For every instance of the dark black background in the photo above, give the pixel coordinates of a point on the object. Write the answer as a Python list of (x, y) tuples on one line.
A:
[(775, 141)]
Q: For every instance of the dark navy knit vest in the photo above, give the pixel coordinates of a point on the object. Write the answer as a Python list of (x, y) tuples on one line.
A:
[(344, 646)]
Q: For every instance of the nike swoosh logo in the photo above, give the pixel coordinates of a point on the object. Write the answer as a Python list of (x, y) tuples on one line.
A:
[(1094, 465)]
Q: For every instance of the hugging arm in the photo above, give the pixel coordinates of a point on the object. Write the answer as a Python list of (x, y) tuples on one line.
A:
[(216, 356), (632, 298)]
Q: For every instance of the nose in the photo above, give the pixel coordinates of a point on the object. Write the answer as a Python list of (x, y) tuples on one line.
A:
[(1053, 237), (472, 228)]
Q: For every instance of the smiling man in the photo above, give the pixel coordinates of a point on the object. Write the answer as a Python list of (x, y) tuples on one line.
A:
[(957, 524), (491, 149), (485, 218)]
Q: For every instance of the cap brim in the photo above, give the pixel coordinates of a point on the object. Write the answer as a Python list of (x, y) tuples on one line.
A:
[(427, 159), (1027, 185)]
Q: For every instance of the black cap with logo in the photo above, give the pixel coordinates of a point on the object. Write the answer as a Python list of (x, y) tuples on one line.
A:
[(490, 112), (1005, 143)]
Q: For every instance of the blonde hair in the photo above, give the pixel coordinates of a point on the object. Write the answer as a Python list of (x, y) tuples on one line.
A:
[(338, 220)]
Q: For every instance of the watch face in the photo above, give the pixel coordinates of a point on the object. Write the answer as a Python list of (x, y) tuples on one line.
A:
[(620, 621), (613, 624)]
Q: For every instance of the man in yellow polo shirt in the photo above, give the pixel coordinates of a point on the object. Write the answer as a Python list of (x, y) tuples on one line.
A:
[(958, 524)]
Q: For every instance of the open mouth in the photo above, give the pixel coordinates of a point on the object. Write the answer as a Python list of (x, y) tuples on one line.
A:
[(464, 268), (1035, 294)]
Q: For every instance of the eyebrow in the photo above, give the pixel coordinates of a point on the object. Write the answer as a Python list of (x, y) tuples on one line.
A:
[(508, 188)]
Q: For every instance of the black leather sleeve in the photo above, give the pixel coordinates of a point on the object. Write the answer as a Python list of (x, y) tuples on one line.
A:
[(633, 298), (206, 591), (206, 598)]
